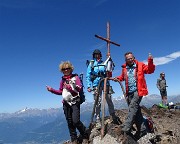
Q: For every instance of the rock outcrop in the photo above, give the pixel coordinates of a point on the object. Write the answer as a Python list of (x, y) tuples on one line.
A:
[(166, 123)]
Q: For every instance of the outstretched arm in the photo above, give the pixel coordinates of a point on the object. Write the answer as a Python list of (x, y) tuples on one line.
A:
[(58, 92), (121, 76)]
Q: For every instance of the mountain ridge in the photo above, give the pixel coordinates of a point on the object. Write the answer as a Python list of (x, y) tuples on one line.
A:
[(49, 124)]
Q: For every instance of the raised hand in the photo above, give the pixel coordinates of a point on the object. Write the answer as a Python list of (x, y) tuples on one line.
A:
[(48, 88), (150, 56)]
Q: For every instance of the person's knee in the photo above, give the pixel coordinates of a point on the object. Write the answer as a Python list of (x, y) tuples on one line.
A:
[(134, 105), (76, 122)]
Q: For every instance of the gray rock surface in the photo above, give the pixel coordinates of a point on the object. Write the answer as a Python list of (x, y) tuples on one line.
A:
[(166, 129)]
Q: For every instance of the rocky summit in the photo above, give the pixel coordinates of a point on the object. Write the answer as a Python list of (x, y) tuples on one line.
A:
[(166, 128)]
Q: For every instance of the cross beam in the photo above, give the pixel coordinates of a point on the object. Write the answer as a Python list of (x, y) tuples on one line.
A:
[(107, 39)]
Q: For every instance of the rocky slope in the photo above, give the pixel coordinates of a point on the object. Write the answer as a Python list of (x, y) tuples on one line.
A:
[(166, 129)]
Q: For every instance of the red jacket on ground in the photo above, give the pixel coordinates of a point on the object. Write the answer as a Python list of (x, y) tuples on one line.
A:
[(140, 70)]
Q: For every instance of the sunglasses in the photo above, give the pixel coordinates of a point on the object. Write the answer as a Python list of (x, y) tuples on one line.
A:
[(66, 69), (128, 59)]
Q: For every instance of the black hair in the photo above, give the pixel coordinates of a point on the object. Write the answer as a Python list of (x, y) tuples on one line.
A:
[(96, 51)]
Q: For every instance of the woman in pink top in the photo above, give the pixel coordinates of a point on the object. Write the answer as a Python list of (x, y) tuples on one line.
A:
[(70, 87)]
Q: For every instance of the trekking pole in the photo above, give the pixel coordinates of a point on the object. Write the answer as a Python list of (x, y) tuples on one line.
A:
[(104, 100), (81, 79), (122, 87), (103, 106), (96, 100), (94, 107)]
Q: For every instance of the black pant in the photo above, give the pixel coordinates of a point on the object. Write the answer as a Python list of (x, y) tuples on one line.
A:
[(72, 114)]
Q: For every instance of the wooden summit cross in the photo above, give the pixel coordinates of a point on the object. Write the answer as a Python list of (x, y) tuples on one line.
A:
[(105, 79), (107, 39)]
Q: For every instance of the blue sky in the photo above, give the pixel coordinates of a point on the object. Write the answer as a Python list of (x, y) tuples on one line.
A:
[(36, 35)]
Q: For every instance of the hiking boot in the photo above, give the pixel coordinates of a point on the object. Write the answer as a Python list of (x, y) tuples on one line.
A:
[(83, 138), (74, 142), (125, 133), (138, 134), (128, 138), (98, 124), (124, 129), (85, 141), (121, 126), (116, 120), (86, 135)]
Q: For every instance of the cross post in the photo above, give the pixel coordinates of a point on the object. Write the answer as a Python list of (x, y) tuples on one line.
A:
[(107, 39), (109, 74)]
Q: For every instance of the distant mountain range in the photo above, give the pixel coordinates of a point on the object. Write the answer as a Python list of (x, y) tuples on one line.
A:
[(49, 125)]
